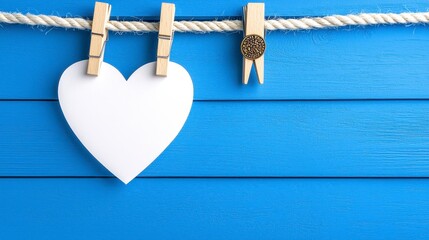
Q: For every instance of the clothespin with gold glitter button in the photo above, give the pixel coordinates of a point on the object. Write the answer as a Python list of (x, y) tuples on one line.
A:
[(253, 44)]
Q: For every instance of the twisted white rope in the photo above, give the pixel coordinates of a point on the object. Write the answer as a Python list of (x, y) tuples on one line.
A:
[(223, 26)]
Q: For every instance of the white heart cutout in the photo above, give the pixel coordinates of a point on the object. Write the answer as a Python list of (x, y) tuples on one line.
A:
[(125, 124)]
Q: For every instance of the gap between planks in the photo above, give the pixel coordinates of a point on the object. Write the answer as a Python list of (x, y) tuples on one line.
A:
[(257, 100), (224, 177)]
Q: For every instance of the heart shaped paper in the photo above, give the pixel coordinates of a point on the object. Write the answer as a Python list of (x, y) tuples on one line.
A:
[(124, 124)]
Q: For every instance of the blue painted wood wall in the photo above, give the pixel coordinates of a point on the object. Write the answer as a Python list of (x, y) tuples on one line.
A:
[(335, 144)]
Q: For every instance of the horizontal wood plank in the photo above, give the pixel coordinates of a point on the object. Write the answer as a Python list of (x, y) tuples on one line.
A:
[(252, 138), (214, 209), (219, 8), (370, 63)]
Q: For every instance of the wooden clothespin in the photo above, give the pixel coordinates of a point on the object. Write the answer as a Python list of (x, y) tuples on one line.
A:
[(253, 44), (165, 38), (98, 37)]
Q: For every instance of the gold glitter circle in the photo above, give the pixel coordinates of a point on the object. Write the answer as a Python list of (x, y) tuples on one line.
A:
[(253, 47)]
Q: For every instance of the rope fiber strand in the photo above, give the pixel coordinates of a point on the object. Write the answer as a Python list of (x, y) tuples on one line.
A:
[(333, 21)]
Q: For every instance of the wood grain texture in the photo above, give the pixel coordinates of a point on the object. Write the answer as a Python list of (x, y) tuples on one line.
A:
[(357, 63), (214, 209), (219, 8), (253, 138)]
